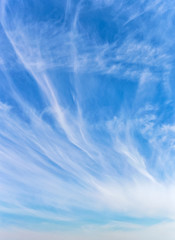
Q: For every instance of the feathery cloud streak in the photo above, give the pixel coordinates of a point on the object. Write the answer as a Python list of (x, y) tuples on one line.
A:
[(86, 112)]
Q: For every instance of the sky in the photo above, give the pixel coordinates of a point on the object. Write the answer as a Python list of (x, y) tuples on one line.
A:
[(87, 119)]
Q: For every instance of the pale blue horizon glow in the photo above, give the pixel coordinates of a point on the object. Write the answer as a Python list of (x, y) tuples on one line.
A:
[(87, 120)]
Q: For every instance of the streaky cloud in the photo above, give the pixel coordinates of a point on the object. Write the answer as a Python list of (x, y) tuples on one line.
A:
[(87, 115)]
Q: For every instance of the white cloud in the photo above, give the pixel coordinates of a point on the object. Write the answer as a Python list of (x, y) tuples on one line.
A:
[(63, 166), (135, 232)]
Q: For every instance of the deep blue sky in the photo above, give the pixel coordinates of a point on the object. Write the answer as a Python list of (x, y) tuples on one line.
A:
[(87, 123)]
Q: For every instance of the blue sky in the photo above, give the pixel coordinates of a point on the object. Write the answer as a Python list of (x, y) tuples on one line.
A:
[(87, 123)]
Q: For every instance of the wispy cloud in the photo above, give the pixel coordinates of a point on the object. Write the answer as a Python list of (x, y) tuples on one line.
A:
[(134, 231), (87, 112)]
